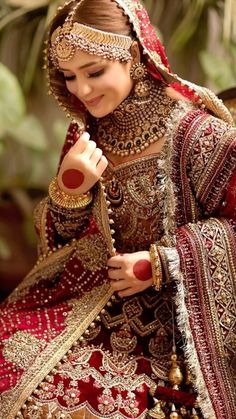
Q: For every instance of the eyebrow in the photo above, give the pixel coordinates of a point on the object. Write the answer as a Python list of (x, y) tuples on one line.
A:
[(84, 66)]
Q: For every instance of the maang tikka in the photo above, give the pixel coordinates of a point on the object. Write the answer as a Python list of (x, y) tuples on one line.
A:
[(69, 37), (139, 73)]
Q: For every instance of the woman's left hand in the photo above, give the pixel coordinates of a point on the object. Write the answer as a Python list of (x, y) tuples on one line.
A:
[(130, 272)]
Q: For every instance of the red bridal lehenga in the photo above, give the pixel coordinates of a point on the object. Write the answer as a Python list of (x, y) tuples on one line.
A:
[(70, 348)]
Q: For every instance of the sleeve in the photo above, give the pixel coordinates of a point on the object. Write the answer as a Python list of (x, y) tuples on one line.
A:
[(57, 226), (211, 166), (202, 265)]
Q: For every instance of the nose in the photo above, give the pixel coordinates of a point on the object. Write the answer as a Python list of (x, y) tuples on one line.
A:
[(83, 89)]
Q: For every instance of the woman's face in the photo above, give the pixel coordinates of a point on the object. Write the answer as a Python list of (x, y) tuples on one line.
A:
[(100, 84)]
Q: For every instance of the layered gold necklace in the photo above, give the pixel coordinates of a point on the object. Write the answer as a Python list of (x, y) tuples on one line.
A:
[(136, 123)]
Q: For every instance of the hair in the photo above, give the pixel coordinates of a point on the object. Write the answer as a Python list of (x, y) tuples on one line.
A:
[(104, 15)]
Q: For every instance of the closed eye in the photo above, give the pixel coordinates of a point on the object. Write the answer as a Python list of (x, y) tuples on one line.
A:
[(96, 74), (69, 78)]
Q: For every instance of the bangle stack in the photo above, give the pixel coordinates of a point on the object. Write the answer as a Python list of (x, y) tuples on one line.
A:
[(156, 267), (64, 200)]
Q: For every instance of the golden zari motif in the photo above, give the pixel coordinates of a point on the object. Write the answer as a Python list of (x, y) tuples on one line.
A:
[(22, 348), (71, 36)]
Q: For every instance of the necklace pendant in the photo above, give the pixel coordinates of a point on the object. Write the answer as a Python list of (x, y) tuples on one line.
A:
[(114, 193), (138, 122)]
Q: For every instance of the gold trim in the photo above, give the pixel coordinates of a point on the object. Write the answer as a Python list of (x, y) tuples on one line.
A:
[(67, 201), (56, 350), (94, 302), (43, 230), (214, 224), (52, 262), (73, 35), (207, 97), (101, 214)]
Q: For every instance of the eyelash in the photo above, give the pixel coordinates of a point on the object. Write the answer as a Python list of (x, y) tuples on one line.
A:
[(69, 78), (96, 74)]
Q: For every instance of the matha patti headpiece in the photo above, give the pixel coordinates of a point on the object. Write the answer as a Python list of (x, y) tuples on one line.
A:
[(63, 41), (69, 37)]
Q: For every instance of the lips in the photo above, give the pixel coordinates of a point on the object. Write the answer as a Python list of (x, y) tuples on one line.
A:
[(94, 101)]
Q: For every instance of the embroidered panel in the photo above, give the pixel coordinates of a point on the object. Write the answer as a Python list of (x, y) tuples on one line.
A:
[(212, 161), (136, 201), (207, 251)]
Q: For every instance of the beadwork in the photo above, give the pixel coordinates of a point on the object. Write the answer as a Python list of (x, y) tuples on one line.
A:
[(136, 123), (156, 267), (68, 201)]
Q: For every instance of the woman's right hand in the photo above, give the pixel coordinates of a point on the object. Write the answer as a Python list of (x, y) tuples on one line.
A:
[(82, 167)]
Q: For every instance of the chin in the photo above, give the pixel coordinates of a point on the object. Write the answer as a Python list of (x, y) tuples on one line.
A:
[(100, 113)]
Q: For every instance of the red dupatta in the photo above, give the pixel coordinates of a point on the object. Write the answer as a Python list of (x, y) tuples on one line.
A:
[(59, 330)]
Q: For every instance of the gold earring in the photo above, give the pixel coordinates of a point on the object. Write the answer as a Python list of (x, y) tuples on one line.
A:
[(138, 73)]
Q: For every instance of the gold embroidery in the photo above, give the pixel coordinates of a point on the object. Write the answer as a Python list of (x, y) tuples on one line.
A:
[(22, 348), (123, 340), (217, 283), (211, 142), (40, 216), (68, 224), (46, 361), (92, 252), (120, 375), (136, 196)]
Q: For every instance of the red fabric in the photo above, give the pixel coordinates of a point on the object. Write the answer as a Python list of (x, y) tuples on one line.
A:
[(175, 396), (43, 311), (228, 206)]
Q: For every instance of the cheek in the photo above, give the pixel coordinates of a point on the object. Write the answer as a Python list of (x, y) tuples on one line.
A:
[(71, 87), (142, 270), (118, 84), (125, 87)]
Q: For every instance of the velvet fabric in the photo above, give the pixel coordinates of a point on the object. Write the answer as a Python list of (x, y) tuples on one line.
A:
[(69, 347)]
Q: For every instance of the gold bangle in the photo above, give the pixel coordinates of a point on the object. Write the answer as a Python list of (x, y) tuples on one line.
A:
[(156, 267), (64, 200)]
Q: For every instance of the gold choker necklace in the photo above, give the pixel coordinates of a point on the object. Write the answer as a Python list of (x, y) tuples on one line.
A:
[(136, 124)]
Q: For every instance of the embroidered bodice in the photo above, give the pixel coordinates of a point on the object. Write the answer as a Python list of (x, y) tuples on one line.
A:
[(135, 196)]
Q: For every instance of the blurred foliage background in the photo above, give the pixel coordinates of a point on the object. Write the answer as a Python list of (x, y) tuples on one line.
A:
[(200, 39)]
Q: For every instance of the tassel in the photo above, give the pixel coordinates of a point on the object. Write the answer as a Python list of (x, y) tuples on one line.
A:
[(174, 414), (183, 411), (156, 412), (194, 415), (188, 377), (175, 375)]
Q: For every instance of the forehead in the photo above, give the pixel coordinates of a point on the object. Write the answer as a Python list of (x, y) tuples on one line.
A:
[(81, 59)]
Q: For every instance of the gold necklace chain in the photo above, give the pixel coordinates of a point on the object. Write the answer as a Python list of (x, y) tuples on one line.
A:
[(136, 123)]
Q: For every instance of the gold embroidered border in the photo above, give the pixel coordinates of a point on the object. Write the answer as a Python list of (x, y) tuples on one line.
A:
[(208, 306), (90, 306), (102, 218), (49, 265), (209, 99)]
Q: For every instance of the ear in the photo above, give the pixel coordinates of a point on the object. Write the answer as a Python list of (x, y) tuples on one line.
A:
[(135, 52)]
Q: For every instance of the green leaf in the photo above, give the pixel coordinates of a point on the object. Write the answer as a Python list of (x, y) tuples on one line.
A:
[(29, 133), (218, 70), (187, 26), (37, 170), (33, 56), (13, 16), (27, 3), (12, 102)]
